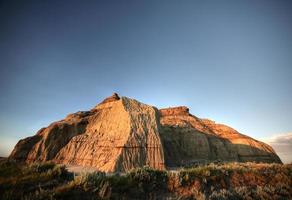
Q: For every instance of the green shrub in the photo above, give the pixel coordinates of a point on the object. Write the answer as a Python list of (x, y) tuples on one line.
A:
[(246, 193), (41, 167), (10, 168), (187, 176), (224, 194), (121, 183), (93, 180), (31, 181), (149, 179)]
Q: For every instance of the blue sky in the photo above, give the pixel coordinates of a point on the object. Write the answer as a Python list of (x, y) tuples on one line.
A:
[(230, 61)]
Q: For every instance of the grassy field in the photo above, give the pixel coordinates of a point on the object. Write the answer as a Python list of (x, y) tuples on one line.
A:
[(213, 181)]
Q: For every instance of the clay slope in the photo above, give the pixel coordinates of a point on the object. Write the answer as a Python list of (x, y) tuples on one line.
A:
[(114, 136), (188, 140), (121, 133)]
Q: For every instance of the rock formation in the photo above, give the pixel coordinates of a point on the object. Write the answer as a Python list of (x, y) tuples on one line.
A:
[(121, 133), (188, 139)]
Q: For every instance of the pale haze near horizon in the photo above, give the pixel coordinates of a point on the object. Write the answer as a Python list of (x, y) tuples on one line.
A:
[(227, 61)]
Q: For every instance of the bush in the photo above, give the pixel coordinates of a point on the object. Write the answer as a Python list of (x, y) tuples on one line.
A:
[(187, 176), (93, 181), (149, 179), (224, 194), (9, 168), (31, 181), (41, 167)]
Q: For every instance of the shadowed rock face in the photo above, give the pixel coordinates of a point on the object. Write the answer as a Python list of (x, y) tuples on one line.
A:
[(188, 139), (121, 133)]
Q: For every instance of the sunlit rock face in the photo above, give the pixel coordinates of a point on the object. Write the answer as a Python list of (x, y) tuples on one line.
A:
[(117, 135), (120, 134)]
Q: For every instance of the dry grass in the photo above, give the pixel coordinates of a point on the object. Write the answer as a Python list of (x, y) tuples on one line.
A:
[(213, 181)]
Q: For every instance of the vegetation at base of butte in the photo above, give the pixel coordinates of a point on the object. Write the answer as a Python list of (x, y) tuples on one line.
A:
[(212, 181)]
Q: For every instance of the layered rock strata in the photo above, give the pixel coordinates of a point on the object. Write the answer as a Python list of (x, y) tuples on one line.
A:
[(188, 139), (120, 134)]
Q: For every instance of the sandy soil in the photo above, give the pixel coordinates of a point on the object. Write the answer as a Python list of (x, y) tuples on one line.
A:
[(80, 169)]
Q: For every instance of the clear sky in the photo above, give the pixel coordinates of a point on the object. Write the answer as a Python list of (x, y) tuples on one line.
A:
[(230, 61)]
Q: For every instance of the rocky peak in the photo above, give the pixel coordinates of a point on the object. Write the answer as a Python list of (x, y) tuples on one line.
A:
[(180, 110), (113, 97)]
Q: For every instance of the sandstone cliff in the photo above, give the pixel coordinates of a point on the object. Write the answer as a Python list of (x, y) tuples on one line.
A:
[(188, 139), (121, 133)]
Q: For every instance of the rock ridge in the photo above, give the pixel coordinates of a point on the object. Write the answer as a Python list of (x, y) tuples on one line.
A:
[(114, 97), (180, 110)]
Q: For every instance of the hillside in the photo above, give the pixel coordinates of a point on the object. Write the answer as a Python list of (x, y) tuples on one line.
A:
[(120, 134)]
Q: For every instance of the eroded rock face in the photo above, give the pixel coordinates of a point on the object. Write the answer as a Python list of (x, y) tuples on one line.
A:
[(175, 111), (188, 139), (121, 133), (117, 135)]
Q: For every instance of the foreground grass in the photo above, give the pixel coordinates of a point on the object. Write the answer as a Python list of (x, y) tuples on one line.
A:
[(19, 181), (227, 181)]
